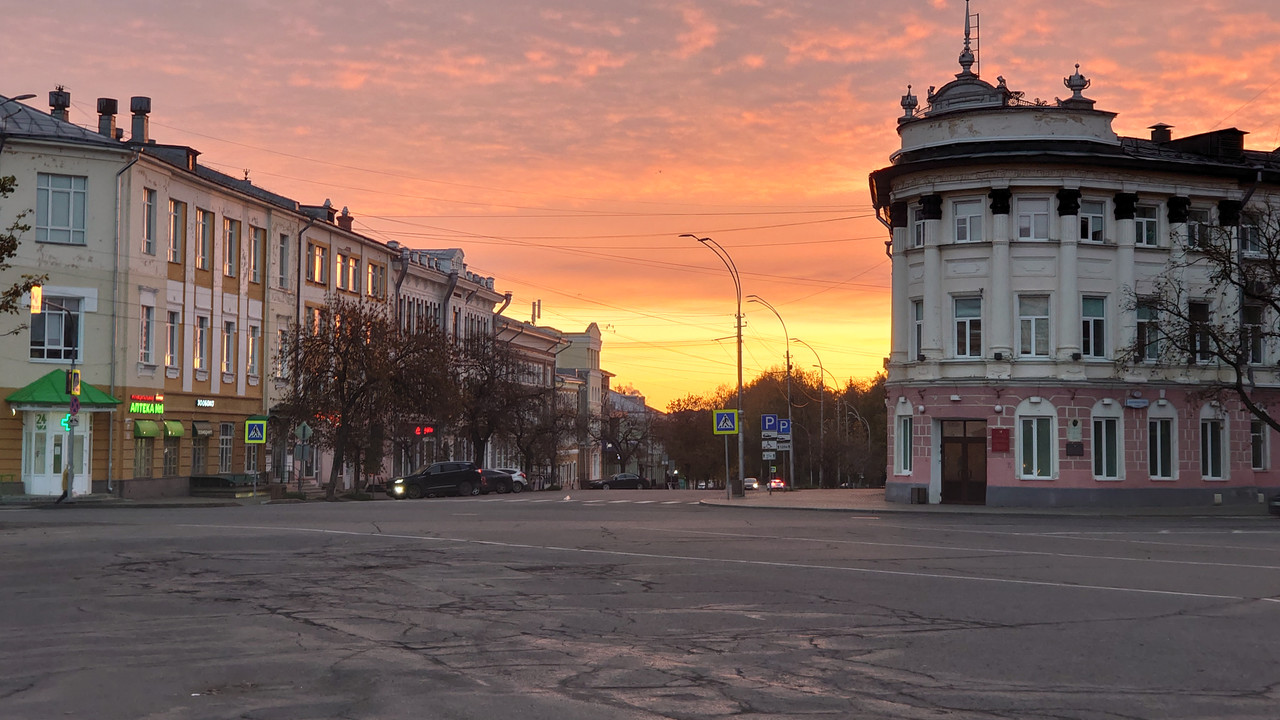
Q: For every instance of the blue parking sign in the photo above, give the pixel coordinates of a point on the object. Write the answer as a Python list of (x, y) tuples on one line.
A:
[(769, 423), (784, 426)]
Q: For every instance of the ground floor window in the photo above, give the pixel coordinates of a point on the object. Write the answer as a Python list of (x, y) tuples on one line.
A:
[(1160, 448), (199, 454), (1258, 444), (250, 458), (1211, 449), (226, 435), (905, 429), (172, 446), (1035, 447), (1106, 452), (143, 456)]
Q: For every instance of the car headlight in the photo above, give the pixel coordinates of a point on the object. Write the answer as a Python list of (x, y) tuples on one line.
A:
[(399, 481)]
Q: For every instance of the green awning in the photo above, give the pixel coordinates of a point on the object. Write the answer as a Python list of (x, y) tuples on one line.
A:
[(145, 428), (173, 428), (51, 389)]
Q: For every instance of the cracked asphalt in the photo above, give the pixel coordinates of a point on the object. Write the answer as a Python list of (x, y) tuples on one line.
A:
[(632, 605)]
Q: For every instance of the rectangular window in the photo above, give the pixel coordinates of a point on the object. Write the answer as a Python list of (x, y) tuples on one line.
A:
[(1033, 325), (340, 272), (905, 427), (1201, 341), (201, 359), (917, 330), (230, 247), (353, 274), (172, 446), (282, 278), (228, 347), (1033, 218), (204, 239), (172, 341), (1198, 229), (251, 458), (917, 228), (377, 283), (1093, 338), (1092, 221), (257, 248), (1106, 453), (968, 221), (1251, 333), (149, 221), (61, 204), (282, 342), (226, 437), (1211, 449), (146, 335), (254, 360), (199, 454), (1148, 345), (1160, 448), (55, 332), (1258, 444), (1147, 224), (177, 229), (1035, 445), (143, 456), (968, 327), (317, 264), (1251, 238)]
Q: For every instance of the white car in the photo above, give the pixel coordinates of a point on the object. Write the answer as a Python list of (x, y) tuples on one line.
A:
[(519, 481), (751, 484)]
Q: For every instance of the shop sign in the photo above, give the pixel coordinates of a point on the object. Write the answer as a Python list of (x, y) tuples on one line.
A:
[(146, 404), (204, 402)]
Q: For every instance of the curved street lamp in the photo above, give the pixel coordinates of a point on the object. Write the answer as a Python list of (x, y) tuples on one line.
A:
[(791, 456), (737, 287), (822, 410)]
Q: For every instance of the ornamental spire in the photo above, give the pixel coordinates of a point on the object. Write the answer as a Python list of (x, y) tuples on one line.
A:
[(966, 57)]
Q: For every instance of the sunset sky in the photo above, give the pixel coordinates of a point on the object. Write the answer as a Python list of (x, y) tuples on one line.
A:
[(566, 144)]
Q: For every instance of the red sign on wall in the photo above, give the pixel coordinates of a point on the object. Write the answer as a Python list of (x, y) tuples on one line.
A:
[(999, 440)]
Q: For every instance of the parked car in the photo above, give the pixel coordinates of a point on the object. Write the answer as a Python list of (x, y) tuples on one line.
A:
[(777, 484), (452, 477), (620, 480), (751, 484), (498, 481), (519, 481), (1273, 504)]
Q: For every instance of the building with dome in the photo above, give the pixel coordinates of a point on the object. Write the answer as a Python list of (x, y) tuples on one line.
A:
[(1025, 367)]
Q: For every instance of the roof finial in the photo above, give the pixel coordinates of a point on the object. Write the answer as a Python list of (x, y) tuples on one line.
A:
[(966, 57)]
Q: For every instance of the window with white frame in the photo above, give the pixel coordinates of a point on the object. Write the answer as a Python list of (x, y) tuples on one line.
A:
[(1033, 218), (904, 444), (226, 438), (1093, 336), (199, 453), (1211, 448), (1033, 325), (1035, 447), (340, 272), (149, 221), (172, 338), (253, 361), (1146, 223), (231, 247), (61, 208), (1258, 444), (1093, 221), (1251, 241), (968, 327), (1160, 450), (353, 274), (1106, 448), (282, 250), (55, 332), (250, 458), (1198, 228), (917, 227), (228, 346), (171, 450), (143, 456), (377, 281), (177, 229), (1148, 345), (1201, 340), (917, 329), (146, 335), (317, 264), (1251, 333), (200, 361), (204, 239), (257, 250), (969, 215)]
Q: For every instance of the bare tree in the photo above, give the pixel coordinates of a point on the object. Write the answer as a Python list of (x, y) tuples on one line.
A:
[(495, 395), (1213, 315), (11, 296), (625, 427)]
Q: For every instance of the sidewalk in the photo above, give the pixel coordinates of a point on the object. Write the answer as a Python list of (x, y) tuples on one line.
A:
[(14, 502), (871, 500)]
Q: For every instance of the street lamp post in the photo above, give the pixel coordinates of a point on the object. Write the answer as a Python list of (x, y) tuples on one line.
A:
[(867, 426), (822, 410), (791, 455), (841, 427), (737, 286)]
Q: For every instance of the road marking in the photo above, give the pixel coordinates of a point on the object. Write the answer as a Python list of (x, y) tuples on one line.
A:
[(749, 563), (645, 502)]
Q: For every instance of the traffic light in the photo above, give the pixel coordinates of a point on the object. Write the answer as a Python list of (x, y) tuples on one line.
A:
[(73, 383), (37, 299)]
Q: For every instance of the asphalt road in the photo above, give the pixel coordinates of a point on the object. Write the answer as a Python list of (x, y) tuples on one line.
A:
[(629, 604)]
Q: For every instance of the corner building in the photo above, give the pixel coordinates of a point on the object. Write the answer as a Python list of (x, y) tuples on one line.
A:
[(1022, 233)]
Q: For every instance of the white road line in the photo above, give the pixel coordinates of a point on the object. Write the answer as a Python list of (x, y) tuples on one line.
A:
[(751, 563), (645, 502)]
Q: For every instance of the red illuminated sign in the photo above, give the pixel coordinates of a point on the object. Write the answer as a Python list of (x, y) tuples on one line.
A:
[(423, 429)]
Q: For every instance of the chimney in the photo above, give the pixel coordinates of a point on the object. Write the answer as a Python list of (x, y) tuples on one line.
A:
[(59, 100), (344, 220), (140, 106), (107, 109), (1160, 133)]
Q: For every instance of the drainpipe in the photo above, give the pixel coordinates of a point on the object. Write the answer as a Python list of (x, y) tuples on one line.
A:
[(115, 319), (447, 320), (302, 249)]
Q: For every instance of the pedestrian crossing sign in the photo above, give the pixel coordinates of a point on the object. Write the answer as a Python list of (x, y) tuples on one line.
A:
[(726, 422), (255, 431)]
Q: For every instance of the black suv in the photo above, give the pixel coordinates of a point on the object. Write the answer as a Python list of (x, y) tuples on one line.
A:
[(442, 478)]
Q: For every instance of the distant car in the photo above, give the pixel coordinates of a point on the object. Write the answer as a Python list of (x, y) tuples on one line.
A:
[(1273, 505), (499, 481), (751, 484), (519, 481), (777, 484), (443, 478), (620, 480)]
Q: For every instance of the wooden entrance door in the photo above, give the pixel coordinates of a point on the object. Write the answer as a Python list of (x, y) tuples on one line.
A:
[(964, 462)]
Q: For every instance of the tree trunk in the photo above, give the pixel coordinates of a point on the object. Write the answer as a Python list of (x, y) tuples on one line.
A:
[(336, 471)]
